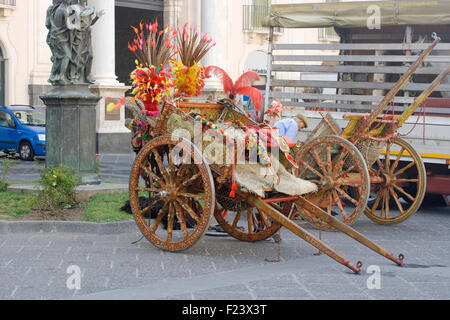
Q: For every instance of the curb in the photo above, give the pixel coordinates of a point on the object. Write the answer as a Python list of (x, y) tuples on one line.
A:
[(18, 227)]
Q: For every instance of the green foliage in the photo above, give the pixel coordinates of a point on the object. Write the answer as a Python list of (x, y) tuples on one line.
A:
[(106, 208), (58, 188), (101, 208), (6, 163), (16, 205)]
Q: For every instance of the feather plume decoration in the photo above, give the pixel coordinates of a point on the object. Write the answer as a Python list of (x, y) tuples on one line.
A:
[(152, 47), (223, 76), (254, 94), (242, 85), (192, 45), (247, 79)]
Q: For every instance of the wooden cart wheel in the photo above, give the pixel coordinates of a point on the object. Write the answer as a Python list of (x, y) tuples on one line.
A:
[(249, 224), (172, 171), (338, 168), (402, 189)]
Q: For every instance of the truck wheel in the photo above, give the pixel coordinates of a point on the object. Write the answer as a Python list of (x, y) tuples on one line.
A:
[(26, 152)]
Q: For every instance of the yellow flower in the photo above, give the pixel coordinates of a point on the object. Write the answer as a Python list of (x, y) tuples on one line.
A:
[(110, 107)]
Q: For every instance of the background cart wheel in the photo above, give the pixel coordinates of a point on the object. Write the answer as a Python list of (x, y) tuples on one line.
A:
[(249, 224), (173, 173), (338, 168), (403, 188)]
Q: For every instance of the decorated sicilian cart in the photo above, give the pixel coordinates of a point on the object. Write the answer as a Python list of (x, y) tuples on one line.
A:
[(385, 177), (199, 160)]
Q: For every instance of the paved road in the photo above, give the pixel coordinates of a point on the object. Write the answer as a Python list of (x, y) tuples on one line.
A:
[(34, 266), (115, 168)]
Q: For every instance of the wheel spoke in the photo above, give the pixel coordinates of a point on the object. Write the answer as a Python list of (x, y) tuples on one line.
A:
[(340, 162), (159, 218), (396, 162), (317, 159), (264, 219), (180, 216), (350, 169), (406, 180), (330, 204), (150, 207), (343, 193), (236, 219), (152, 190), (153, 176), (386, 205), (383, 202), (180, 172), (339, 203), (172, 166), (377, 202), (170, 222), (161, 166), (410, 165), (317, 173), (329, 164), (380, 166), (190, 180), (189, 210), (250, 220), (387, 160), (399, 205), (192, 196), (410, 197)]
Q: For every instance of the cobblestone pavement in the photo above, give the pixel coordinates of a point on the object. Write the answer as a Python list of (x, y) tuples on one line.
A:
[(113, 167), (35, 266)]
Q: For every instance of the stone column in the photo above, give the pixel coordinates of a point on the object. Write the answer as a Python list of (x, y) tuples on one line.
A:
[(171, 12), (71, 135), (104, 44), (112, 135), (210, 21)]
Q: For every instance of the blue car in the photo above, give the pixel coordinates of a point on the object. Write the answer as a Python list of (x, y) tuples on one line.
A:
[(22, 131)]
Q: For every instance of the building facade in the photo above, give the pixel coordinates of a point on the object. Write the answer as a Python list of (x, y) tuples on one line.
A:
[(235, 25)]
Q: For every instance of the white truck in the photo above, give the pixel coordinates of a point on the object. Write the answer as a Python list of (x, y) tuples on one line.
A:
[(379, 40)]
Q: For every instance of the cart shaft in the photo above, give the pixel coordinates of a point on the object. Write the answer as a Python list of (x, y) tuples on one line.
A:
[(307, 205), (364, 124), (421, 99), (321, 246), (293, 227)]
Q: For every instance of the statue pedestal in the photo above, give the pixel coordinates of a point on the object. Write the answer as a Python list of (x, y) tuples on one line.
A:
[(71, 130), (112, 135)]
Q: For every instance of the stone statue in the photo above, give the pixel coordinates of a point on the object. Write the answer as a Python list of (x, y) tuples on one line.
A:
[(69, 23)]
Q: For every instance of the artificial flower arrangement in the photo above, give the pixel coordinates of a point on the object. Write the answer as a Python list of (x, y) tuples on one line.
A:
[(189, 74), (152, 80), (275, 110)]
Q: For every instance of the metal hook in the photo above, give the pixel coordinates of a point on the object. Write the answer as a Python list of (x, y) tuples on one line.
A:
[(435, 37)]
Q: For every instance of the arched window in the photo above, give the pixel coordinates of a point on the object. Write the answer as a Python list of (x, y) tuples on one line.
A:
[(2, 78)]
